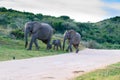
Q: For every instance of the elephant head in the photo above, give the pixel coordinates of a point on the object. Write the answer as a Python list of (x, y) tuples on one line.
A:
[(29, 29), (68, 35)]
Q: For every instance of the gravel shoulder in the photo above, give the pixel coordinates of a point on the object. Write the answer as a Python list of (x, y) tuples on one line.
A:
[(58, 67)]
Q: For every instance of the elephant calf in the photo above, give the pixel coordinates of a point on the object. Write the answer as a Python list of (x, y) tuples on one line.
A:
[(56, 43)]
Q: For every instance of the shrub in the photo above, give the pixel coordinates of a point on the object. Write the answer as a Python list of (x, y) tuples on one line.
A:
[(18, 33), (92, 44), (111, 46)]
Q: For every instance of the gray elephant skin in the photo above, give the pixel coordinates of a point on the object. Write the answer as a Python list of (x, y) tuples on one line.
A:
[(56, 44), (40, 31), (73, 38)]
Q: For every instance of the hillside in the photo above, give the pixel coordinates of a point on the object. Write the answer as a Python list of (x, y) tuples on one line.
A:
[(10, 18), (103, 34), (111, 27)]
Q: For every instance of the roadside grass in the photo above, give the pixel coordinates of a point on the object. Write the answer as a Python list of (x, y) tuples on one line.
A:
[(10, 48), (111, 72)]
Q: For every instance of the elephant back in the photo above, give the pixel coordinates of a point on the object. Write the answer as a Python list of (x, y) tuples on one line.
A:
[(45, 31)]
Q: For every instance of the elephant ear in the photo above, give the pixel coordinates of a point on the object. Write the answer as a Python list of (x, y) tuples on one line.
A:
[(36, 27)]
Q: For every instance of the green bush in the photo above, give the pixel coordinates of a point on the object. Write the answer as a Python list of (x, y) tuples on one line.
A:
[(18, 34), (111, 46), (92, 44), (106, 31)]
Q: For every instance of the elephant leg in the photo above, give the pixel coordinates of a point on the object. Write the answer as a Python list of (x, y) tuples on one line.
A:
[(48, 45), (69, 48), (36, 44), (31, 42), (77, 49), (57, 47)]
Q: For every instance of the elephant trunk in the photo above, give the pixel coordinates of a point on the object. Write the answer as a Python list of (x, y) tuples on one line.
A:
[(26, 38), (64, 43)]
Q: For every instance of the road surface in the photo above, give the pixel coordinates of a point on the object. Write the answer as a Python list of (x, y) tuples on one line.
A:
[(58, 67)]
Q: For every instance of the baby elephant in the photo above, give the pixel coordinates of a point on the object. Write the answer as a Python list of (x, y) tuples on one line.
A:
[(56, 43)]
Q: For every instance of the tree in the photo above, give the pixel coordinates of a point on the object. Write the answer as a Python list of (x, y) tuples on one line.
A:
[(64, 17)]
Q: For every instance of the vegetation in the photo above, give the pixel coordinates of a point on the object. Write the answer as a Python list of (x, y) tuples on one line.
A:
[(112, 72), (10, 48), (103, 34)]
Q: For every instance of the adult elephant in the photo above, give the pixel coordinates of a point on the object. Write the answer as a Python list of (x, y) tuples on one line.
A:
[(73, 39), (41, 31)]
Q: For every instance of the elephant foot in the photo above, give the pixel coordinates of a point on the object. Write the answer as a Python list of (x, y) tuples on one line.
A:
[(70, 50), (77, 51)]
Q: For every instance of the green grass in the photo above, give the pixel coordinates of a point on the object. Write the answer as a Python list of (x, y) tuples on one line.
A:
[(112, 72), (10, 48)]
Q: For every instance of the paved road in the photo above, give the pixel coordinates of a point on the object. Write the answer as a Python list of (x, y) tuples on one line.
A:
[(58, 67)]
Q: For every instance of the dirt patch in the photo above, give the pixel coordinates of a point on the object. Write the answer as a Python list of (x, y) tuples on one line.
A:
[(78, 72), (48, 78)]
